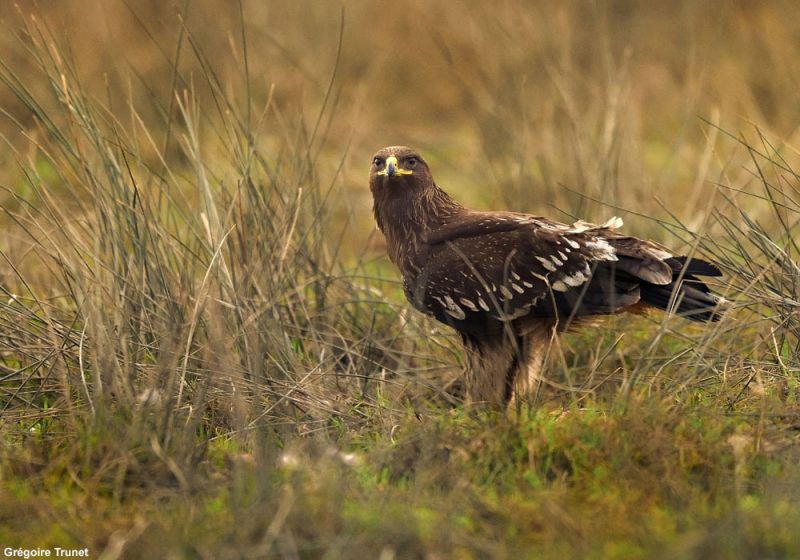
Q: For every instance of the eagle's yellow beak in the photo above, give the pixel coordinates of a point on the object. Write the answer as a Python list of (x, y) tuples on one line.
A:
[(393, 169)]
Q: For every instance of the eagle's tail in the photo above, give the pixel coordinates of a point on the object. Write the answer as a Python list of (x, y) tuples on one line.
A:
[(686, 295)]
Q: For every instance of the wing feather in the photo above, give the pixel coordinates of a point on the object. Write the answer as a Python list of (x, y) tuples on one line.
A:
[(483, 269)]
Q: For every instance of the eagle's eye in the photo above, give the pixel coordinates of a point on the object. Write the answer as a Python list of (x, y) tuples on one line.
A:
[(377, 162), (411, 162)]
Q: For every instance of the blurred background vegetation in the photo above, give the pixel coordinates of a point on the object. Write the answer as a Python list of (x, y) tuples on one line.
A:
[(510, 100), (205, 353)]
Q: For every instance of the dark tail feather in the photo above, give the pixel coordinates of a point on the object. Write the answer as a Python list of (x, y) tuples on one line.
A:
[(693, 266), (686, 295), (690, 299)]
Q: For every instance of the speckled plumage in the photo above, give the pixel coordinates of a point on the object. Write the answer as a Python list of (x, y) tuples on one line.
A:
[(508, 282)]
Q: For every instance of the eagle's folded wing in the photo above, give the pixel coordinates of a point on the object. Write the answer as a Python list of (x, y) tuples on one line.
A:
[(483, 268)]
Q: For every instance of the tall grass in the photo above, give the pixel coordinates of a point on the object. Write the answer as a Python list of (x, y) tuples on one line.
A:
[(180, 291), (201, 353)]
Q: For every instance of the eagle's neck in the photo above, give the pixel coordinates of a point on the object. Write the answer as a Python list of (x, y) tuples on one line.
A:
[(406, 220)]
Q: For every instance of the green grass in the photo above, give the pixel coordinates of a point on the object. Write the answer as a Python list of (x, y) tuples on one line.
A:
[(204, 351), (594, 482)]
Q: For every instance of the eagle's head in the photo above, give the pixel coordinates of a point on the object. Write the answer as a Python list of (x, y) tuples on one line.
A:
[(398, 171)]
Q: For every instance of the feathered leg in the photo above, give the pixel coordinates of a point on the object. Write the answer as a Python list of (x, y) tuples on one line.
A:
[(491, 361), (507, 366), (535, 346)]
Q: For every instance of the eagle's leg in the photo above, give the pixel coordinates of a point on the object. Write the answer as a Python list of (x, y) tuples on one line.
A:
[(492, 361), (506, 366), (534, 347)]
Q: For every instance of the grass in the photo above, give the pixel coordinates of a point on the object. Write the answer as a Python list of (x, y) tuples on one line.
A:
[(205, 353)]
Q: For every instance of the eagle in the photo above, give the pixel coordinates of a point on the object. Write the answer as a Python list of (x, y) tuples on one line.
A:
[(510, 282)]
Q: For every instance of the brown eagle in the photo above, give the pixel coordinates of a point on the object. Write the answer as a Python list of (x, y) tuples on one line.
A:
[(509, 282)]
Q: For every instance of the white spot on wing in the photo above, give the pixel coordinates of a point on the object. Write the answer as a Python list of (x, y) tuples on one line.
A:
[(601, 250), (559, 286), (452, 308), (456, 313), (580, 226), (546, 263), (574, 280), (613, 223)]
